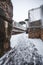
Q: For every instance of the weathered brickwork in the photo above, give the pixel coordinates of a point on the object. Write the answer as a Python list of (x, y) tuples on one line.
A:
[(6, 14), (7, 7), (35, 23), (36, 33), (35, 30)]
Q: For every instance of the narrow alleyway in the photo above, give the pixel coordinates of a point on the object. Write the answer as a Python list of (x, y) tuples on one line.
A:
[(25, 51), (37, 42)]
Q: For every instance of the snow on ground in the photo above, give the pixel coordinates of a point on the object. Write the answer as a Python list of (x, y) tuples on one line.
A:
[(37, 42), (25, 51), (15, 38)]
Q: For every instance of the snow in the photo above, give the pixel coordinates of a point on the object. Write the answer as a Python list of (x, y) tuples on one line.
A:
[(37, 42), (25, 51)]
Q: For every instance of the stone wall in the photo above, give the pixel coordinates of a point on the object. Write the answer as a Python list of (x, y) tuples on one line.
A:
[(34, 33), (6, 14), (7, 7), (35, 30), (35, 23)]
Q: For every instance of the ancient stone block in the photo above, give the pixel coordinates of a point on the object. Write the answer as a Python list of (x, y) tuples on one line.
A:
[(34, 33)]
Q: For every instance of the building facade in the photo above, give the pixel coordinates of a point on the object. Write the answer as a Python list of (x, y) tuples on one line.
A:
[(36, 22)]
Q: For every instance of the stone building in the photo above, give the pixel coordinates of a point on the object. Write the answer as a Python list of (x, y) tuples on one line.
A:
[(6, 14), (36, 22)]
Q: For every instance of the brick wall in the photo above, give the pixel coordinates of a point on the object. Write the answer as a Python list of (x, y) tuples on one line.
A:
[(35, 30), (34, 33), (41, 34)]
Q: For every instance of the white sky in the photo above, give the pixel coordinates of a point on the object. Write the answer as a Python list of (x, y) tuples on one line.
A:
[(21, 7)]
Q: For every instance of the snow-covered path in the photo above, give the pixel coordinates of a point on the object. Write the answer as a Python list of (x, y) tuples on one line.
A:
[(37, 42), (25, 51)]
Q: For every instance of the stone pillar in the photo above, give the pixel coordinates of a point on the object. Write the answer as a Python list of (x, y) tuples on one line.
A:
[(6, 14)]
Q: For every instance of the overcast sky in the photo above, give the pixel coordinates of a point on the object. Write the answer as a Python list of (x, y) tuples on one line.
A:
[(21, 7)]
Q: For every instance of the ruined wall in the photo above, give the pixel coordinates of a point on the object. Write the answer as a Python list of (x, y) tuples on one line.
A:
[(34, 33), (35, 30), (7, 7), (35, 23), (6, 14)]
